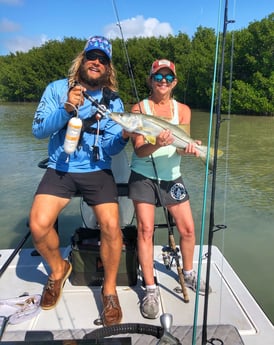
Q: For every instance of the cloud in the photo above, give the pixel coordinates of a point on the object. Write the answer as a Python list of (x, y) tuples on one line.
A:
[(8, 26), (138, 27), (23, 44)]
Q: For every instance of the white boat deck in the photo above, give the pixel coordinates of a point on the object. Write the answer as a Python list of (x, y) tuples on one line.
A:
[(230, 303)]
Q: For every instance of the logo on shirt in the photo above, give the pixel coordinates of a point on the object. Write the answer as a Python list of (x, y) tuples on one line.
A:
[(178, 191)]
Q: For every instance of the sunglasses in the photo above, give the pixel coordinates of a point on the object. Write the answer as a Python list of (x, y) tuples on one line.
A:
[(92, 56), (159, 77)]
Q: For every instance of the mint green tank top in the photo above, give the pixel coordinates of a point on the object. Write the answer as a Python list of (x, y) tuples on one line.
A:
[(167, 160)]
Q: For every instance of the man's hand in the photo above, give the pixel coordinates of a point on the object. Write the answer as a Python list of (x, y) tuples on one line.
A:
[(75, 98)]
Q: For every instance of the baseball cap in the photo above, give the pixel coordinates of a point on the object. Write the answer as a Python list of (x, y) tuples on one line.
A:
[(99, 43), (158, 64)]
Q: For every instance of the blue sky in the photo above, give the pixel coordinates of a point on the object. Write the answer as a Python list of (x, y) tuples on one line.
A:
[(29, 23)]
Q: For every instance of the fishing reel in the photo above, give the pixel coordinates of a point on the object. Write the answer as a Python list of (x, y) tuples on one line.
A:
[(101, 108), (169, 255)]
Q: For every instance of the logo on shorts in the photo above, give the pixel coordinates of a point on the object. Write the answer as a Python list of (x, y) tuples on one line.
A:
[(178, 191)]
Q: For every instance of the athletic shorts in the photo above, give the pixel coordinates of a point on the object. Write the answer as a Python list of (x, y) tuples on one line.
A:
[(144, 189), (96, 187)]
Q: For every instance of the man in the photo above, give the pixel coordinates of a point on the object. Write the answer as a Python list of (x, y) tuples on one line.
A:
[(87, 170)]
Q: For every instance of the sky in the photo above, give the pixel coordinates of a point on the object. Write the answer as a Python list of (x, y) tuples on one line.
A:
[(25, 24)]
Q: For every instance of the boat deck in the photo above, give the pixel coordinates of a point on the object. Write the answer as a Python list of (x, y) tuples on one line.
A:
[(234, 317)]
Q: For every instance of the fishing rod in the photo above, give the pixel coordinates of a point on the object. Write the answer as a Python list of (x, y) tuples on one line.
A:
[(173, 251), (173, 248), (13, 254), (130, 70), (212, 227)]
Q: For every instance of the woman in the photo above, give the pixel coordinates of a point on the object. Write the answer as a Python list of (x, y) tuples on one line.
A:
[(157, 160)]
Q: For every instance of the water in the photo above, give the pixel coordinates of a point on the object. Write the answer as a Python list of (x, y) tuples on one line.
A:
[(244, 198)]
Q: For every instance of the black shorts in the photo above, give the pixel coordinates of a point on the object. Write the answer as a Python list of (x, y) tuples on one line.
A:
[(96, 187), (144, 189)]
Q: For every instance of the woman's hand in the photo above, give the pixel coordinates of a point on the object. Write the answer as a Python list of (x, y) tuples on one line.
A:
[(191, 149), (165, 138)]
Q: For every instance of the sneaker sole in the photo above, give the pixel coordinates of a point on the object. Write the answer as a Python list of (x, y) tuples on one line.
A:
[(150, 317)]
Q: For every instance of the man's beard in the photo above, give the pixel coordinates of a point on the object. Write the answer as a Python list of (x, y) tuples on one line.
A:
[(99, 82)]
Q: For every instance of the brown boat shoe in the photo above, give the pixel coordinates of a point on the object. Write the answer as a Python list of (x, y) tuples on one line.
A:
[(112, 312), (53, 289)]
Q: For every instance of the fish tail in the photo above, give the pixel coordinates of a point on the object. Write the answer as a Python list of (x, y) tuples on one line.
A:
[(203, 155)]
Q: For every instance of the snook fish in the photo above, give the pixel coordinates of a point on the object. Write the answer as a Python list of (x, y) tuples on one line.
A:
[(152, 126)]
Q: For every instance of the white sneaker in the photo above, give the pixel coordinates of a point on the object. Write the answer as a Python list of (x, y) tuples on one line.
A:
[(150, 304), (192, 282)]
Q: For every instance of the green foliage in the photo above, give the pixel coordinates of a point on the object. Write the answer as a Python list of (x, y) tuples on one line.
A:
[(24, 76), (201, 68)]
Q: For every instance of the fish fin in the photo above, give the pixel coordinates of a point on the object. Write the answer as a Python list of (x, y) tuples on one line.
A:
[(185, 128), (219, 153), (151, 139)]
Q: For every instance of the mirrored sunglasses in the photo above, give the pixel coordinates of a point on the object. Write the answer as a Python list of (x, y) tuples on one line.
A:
[(92, 56), (158, 77)]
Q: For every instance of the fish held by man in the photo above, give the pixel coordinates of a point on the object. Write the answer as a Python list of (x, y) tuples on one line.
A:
[(151, 126)]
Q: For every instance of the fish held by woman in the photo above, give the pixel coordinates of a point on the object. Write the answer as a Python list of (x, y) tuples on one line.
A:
[(151, 126)]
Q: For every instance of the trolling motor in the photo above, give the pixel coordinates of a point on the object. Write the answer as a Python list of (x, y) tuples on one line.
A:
[(167, 338)]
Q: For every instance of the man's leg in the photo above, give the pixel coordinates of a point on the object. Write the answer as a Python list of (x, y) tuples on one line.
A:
[(110, 251), (43, 214)]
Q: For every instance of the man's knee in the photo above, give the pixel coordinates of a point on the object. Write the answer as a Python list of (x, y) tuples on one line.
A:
[(40, 224), (111, 233)]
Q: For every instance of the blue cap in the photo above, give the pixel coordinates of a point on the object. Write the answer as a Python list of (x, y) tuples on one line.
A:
[(100, 43)]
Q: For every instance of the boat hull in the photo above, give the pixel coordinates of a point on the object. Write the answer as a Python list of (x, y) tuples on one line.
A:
[(231, 306)]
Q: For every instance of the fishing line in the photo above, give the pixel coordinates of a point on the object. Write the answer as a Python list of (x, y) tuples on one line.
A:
[(227, 119), (195, 320), (229, 111), (212, 226), (130, 70), (166, 213)]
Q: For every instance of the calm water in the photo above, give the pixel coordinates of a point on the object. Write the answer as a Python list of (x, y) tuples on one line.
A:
[(244, 191)]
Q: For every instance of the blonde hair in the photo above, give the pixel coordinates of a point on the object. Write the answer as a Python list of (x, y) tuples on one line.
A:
[(73, 73)]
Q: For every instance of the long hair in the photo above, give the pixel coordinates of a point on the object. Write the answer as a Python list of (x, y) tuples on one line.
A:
[(73, 73)]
